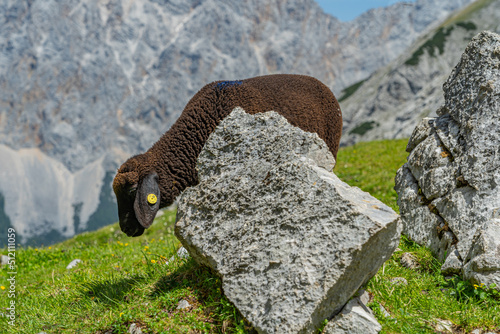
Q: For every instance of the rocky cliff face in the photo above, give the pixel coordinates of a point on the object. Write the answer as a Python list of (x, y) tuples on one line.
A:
[(97, 81), (394, 99), (45, 202), (448, 191)]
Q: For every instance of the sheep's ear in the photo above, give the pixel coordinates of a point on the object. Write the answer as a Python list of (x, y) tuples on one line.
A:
[(147, 200)]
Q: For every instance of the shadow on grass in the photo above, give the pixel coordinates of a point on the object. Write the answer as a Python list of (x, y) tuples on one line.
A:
[(201, 287), (189, 275), (110, 291)]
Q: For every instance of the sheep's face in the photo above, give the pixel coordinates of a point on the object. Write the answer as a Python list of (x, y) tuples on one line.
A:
[(138, 198)]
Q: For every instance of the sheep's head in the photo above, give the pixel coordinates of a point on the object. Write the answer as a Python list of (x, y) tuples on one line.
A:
[(138, 197)]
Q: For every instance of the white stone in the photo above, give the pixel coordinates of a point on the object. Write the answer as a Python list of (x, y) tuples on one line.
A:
[(452, 264), (182, 253), (133, 329), (384, 312), (291, 241), (183, 304), (4, 260), (73, 263), (355, 318), (398, 281), (483, 260), (443, 326)]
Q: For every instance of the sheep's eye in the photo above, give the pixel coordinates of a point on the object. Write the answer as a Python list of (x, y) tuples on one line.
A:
[(132, 189), (152, 199)]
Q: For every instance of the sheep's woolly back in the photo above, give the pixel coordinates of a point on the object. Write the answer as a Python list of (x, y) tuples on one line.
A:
[(304, 101)]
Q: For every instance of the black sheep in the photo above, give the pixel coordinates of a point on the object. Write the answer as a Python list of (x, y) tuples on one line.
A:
[(150, 181)]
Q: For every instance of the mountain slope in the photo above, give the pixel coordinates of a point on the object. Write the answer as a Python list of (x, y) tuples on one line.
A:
[(107, 78), (393, 100)]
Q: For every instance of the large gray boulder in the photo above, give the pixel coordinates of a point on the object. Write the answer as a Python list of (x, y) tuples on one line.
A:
[(449, 190), (291, 241)]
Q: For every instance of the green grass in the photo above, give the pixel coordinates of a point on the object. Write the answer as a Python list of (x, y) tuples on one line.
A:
[(124, 280), (364, 128), (416, 307), (468, 12), (462, 19), (348, 91), (120, 281), (372, 167), (438, 41)]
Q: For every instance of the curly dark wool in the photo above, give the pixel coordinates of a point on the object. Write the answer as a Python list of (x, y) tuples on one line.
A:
[(168, 167)]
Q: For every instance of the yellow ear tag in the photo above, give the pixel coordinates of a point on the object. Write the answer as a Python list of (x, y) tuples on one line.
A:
[(152, 199)]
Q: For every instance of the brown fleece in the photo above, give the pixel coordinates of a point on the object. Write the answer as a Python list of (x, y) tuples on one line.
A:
[(304, 101)]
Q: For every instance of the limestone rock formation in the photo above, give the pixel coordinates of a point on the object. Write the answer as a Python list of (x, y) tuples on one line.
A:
[(45, 202), (449, 190), (291, 241)]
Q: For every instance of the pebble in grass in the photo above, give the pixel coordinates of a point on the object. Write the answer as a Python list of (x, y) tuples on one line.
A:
[(409, 261), (133, 329), (183, 304), (399, 281), (182, 253), (384, 312), (443, 326), (73, 263), (4, 260)]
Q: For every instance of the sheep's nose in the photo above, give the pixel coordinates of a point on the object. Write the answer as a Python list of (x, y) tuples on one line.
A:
[(133, 232), (130, 225), (137, 232)]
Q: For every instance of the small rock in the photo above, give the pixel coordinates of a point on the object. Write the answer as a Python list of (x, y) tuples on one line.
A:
[(420, 133), (443, 326), (73, 263), (182, 253), (183, 304), (384, 312), (364, 296), (452, 265), (409, 261), (483, 261), (399, 281), (4, 260), (133, 329), (476, 331), (355, 317)]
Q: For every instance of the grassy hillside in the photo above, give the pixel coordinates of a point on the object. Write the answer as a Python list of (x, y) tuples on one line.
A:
[(124, 280)]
